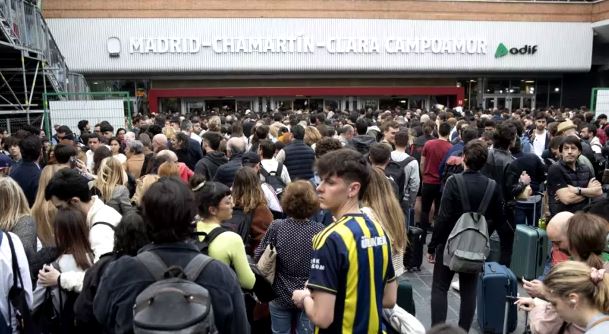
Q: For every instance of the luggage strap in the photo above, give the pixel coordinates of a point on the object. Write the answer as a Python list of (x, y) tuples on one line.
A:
[(486, 199)]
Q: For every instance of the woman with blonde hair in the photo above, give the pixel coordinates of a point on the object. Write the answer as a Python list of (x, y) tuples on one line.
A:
[(110, 185), (312, 136), (249, 199), (15, 215), (381, 206), (169, 168), (43, 211), (580, 295)]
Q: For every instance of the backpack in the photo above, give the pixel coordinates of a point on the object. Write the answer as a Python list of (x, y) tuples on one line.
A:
[(274, 179), (175, 303), (416, 151), (239, 223), (453, 166), (395, 172), (468, 244)]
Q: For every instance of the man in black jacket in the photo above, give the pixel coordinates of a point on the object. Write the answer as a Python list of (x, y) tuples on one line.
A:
[(297, 156), (168, 210), (213, 158), (474, 156)]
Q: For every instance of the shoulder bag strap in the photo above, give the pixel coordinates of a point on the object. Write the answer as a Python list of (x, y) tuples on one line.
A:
[(279, 169), (488, 195), (196, 266), (462, 192), (155, 265), (104, 223), (16, 271)]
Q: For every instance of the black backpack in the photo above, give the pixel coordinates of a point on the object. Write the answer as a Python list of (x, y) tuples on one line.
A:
[(239, 223), (175, 302), (274, 179), (395, 172)]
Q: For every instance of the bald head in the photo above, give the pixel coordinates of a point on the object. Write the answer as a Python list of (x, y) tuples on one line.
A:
[(235, 145), (557, 230), (159, 142), (168, 154)]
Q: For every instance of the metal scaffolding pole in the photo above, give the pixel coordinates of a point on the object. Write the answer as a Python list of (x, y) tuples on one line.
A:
[(29, 102), (25, 86), (11, 90)]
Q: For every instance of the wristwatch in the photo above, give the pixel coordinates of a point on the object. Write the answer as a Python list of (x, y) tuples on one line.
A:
[(579, 190)]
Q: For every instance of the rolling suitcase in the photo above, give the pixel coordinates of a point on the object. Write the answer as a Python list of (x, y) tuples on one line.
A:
[(497, 286), (530, 251), (413, 257), (405, 299)]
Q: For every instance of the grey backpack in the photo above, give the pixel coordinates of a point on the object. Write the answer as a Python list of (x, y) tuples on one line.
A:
[(173, 304), (468, 243)]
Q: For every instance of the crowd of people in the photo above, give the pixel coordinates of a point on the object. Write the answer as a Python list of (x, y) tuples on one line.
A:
[(95, 223)]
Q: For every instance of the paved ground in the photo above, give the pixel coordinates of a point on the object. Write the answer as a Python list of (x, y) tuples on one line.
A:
[(421, 282)]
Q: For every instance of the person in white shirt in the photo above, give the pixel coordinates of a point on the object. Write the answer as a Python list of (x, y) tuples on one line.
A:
[(93, 143), (69, 188), (6, 271), (539, 136), (266, 150)]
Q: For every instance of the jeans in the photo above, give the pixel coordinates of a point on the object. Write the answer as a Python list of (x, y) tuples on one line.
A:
[(430, 194), (528, 212), (283, 318), (442, 277)]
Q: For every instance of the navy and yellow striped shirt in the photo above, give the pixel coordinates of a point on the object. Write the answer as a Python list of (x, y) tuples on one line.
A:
[(352, 259)]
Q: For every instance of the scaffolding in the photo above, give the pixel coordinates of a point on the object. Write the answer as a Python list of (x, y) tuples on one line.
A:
[(31, 64)]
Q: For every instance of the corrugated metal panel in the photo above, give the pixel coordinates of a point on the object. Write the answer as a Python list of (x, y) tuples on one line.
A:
[(560, 46)]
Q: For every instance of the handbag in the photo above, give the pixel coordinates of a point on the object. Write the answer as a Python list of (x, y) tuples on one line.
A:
[(525, 194), (402, 322), (267, 263)]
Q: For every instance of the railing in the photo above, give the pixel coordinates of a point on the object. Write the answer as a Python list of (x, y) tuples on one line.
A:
[(30, 31)]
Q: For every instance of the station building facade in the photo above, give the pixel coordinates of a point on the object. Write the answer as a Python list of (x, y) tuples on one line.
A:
[(262, 55)]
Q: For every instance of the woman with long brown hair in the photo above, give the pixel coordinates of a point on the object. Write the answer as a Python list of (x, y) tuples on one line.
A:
[(43, 211), (249, 198), (384, 208), (75, 256)]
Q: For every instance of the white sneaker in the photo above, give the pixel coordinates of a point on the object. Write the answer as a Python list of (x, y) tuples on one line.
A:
[(455, 285)]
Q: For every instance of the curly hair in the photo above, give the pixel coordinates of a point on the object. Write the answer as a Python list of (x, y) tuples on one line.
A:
[(300, 200)]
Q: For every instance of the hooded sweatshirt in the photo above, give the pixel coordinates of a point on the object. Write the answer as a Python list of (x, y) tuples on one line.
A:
[(362, 143), (209, 164)]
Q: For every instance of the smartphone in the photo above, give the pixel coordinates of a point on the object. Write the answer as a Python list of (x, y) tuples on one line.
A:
[(72, 162)]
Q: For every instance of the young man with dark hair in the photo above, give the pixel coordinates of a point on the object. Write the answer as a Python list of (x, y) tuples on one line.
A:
[(63, 153), (431, 157), (266, 151), (570, 183), (93, 143), (540, 137), (588, 133), (474, 157), (69, 188), (336, 299), (168, 210), (213, 158), (27, 173), (412, 176), (107, 130), (390, 128), (297, 156), (498, 161)]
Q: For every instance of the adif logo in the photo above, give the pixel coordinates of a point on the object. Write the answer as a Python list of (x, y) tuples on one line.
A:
[(503, 51)]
